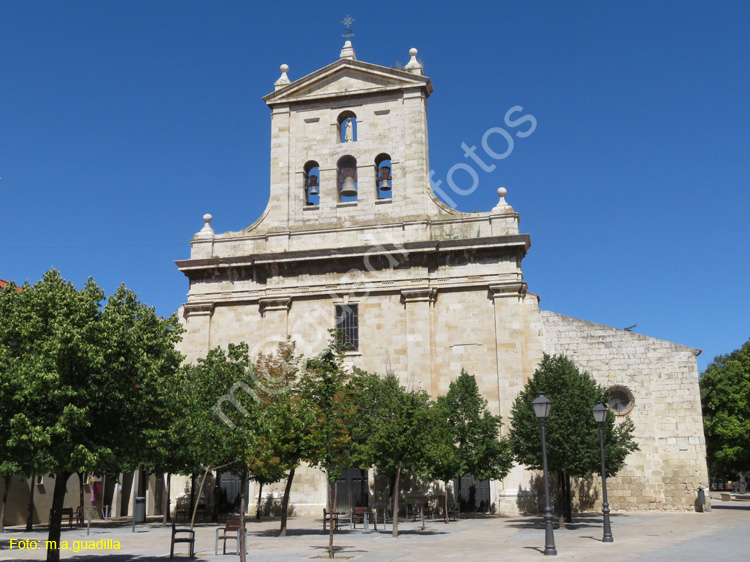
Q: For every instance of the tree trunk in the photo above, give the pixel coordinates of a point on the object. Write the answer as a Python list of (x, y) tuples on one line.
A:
[(165, 503), (390, 492), (217, 498), (332, 505), (243, 508), (363, 491), (6, 478), (395, 500), (55, 516), (285, 502), (192, 492), (200, 491), (30, 509), (446, 503), (169, 499), (568, 500), (81, 477), (260, 499), (560, 500), (458, 491)]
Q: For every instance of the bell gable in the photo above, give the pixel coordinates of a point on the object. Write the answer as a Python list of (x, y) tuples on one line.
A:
[(350, 78)]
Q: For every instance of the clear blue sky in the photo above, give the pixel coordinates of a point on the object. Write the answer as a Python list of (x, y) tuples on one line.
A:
[(123, 122)]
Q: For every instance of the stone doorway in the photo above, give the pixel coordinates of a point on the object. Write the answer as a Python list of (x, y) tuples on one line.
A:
[(473, 495), (351, 489), (230, 492)]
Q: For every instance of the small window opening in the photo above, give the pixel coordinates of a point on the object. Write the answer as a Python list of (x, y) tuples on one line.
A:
[(383, 178), (347, 326), (621, 400), (347, 178), (312, 183), (347, 127)]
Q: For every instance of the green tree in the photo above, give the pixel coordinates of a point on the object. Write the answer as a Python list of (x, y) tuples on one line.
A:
[(388, 431), (323, 384), (218, 415), (20, 456), (285, 437), (466, 437), (79, 379), (725, 391), (572, 434)]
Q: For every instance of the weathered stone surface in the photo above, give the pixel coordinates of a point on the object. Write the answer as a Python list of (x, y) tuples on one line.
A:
[(438, 290)]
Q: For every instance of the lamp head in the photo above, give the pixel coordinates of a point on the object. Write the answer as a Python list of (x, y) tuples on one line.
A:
[(542, 406), (600, 413)]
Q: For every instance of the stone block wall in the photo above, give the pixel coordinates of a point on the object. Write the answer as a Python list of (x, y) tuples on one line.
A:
[(663, 379)]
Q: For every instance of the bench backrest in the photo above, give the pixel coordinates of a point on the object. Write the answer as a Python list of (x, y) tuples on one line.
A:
[(232, 525), (360, 510)]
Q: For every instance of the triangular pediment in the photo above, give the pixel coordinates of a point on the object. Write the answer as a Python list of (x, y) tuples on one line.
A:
[(347, 77)]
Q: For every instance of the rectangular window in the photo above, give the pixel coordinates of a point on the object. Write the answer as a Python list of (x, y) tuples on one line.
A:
[(347, 326)]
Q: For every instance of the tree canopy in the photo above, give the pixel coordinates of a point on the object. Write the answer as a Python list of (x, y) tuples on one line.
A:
[(389, 428), (572, 434), (725, 392), (323, 384), (79, 379), (479, 451)]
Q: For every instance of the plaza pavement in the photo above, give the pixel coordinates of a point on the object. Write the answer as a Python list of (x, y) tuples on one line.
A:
[(721, 534)]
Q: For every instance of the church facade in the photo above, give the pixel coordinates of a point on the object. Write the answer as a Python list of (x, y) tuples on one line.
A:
[(353, 238)]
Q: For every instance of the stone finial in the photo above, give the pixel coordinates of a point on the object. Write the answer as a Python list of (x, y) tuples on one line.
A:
[(413, 66), (502, 206), (284, 79), (206, 231), (348, 51)]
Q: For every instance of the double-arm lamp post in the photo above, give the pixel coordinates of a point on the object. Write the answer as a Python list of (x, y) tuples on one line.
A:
[(542, 407), (600, 415)]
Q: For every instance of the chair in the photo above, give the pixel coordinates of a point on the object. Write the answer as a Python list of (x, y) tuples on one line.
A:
[(66, 511), (177, 536), (182, 511), (79, 516), (362, 515), (455, 510), (383, 514), (225, 533), (326, 517)]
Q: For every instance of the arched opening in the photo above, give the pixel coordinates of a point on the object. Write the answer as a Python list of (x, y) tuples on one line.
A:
[(383, 177), (347, 127), (347, 178), (311, 183)]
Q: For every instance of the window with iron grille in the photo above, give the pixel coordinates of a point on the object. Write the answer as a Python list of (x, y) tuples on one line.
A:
[(347, 326)]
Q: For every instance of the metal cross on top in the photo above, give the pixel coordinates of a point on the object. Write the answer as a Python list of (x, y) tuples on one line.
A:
[(347, 21)]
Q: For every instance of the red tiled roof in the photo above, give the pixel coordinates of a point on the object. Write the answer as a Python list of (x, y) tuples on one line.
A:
[(4, 283)]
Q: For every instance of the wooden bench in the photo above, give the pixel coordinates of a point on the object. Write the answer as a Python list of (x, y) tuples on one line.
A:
[(182, 535), (70, 514), (225, 533), (182, 511), (454, 511), (365, 516), (336, 521)]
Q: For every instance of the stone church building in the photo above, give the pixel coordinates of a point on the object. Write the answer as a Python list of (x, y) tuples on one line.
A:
[(354, 238)]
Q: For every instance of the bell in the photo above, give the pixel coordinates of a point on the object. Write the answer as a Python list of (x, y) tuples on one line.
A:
[(384, 181), (312, 185), (348, 187)]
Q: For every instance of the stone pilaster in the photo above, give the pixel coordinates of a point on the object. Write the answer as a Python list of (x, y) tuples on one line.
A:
[(506, 298), (196, 318), (419, 338), (275, 314)]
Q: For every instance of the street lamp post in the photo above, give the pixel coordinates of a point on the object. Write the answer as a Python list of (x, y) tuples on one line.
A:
[(600, 415), (542, 407)]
